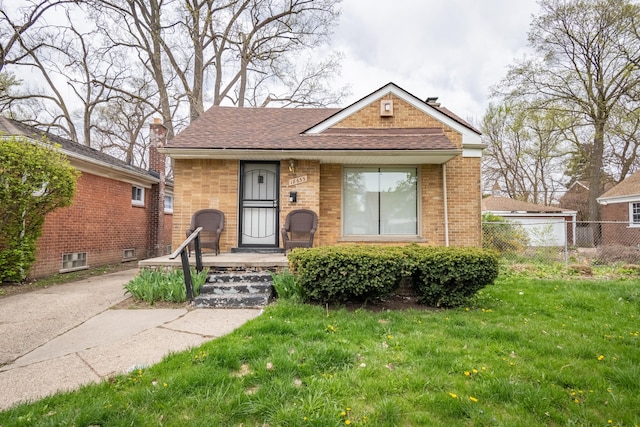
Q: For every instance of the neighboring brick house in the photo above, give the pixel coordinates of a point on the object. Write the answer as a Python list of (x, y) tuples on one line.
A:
[(545, 225), (621, 204), (577, 198), (389, 168), (119, 212)]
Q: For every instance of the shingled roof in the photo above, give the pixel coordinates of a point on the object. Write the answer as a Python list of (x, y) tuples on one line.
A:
[(283, 129), (506, 204), (262, 133), (72, 149), (629, 188)]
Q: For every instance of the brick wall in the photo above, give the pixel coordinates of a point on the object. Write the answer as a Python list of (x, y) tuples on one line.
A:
[(618, 234), (404, 116), (201, 184), (308, 192), (101, 221)]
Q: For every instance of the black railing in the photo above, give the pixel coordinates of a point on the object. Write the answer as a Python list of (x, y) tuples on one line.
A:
[(184, 257)]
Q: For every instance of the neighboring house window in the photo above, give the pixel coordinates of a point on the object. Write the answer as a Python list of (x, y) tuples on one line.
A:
[(137, 196), (380, 201), (168, 204), (634, 214)]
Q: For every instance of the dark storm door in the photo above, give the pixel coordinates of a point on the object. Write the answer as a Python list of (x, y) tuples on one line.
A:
[(259, 195)]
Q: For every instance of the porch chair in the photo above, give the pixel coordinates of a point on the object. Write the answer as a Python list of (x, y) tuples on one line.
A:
[(299, 228), (212, 221)]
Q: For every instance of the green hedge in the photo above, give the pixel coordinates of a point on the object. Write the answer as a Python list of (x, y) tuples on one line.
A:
[(447, 277), (441, 277), (338, 274)]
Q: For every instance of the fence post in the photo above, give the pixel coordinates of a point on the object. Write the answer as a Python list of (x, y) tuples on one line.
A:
[(566, 245)]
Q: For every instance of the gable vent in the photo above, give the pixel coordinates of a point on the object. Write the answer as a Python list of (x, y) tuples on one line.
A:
[(386, 108)]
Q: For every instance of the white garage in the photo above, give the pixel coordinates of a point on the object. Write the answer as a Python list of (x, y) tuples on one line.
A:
[(545, 225)]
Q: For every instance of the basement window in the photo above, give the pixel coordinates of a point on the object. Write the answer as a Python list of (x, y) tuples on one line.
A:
[(74, 261), (128, 254)]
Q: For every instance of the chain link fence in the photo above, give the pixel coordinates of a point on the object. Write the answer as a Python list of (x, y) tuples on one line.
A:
[(569, 242)]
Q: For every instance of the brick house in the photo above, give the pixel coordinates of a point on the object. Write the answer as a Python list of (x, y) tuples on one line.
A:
[(620, 213), (119, 212), (390, 168)]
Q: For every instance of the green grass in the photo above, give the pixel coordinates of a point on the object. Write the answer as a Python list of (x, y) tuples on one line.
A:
[(526, 352)]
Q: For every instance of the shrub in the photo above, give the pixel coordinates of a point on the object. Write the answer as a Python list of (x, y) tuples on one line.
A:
[(502, 235), (447, 277), (441, 277), (35, 179), (338, 274), (154, 285)]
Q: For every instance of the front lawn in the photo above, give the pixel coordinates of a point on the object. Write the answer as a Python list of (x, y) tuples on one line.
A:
[(526, 352)]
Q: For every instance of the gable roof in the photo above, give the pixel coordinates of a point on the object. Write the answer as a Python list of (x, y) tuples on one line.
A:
[(507, 204), (88, 157), (433, 109), (305, 133), (626, 191)]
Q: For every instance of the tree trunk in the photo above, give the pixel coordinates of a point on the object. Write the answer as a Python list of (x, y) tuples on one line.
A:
[(595, 179)]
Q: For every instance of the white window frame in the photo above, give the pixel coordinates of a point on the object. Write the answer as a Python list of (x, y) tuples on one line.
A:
[(137, 199), (634, 214), (381, 236), (168, 209)]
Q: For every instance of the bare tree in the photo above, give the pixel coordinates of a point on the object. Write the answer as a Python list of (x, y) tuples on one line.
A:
[(525, 152), (13, 28), (582, 69), (121, 61)]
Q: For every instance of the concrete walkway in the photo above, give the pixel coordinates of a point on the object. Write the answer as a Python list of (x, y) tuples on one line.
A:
[(62, 337)]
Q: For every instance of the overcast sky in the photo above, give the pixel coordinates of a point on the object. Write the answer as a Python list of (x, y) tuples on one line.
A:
[(453, 49)]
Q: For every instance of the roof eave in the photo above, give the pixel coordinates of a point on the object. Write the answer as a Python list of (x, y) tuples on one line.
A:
[(618, 199), (391, 157)]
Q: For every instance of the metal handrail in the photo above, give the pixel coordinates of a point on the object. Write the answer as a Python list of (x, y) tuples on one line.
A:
[(184, 257)]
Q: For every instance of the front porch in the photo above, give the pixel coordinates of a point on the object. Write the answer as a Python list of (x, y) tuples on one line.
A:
[(235, 279), (246, 261)]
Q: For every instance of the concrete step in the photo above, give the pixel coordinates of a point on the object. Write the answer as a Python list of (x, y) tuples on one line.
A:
[(236, 290)]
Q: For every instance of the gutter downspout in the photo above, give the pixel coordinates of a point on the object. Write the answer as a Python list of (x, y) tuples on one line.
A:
[(446, 206)]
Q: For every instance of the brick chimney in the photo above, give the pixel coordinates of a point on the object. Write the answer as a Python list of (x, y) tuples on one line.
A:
[(157, 168), (157, 139)]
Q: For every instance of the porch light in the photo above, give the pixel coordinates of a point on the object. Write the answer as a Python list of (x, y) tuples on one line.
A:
[(292, 165)]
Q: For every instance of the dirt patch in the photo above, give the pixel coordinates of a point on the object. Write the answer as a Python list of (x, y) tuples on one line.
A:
[(135, 304)]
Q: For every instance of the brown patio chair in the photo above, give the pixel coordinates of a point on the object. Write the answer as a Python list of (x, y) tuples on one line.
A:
[(299, 228), (212, 221)]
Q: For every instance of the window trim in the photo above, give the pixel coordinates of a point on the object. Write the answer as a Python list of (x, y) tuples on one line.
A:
[(136, 201), (417, 237), (632, 223), (168, 210)]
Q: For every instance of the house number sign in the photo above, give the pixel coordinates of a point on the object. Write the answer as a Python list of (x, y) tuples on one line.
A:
[(298, 180)]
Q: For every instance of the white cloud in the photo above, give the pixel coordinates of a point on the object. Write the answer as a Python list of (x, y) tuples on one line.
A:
[(454, 49)]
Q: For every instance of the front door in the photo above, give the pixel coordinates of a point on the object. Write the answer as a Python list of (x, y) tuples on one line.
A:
[(259, 195)]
